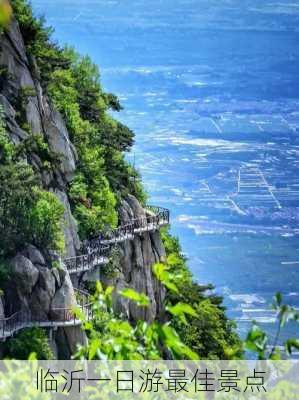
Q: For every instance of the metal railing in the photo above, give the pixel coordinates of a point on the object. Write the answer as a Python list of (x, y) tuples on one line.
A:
[(96, 250), (63, 317), (155, 218), (93, 257)]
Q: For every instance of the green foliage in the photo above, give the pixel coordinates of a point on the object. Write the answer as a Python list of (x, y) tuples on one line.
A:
[(198, 318), (5, 14), (112, 268), (35, 144), (94, 210), (139, 298), (92, 199), (6, 147), (27, 214), (99, 139), (113, 338), (4, 273), (258, 342), (48, 55), (45, 218), (26, 342), (123, 177), (16, 200), (20, 103)]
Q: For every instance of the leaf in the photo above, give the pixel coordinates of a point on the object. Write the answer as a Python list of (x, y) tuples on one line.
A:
[(140, 298), (182, 309), (94, 345), (290, 344), (173, 342), (256, 341), (161, 273), (275, 354), (109, 291), (99, 287), (5, 13)]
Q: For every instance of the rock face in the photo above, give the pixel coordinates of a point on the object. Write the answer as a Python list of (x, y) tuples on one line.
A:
[(36, 286), (41, 117), (44, 292), (135, 264)]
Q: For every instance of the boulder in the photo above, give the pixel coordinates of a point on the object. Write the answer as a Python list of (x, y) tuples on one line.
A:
[(39, 304), (25, 274), (64, 299), (47, 281), (35, 255)]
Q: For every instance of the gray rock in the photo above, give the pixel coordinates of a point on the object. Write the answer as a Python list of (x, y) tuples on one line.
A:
[(67, 341), (47, 281), (39, 304), (72, 242), (64, 299), (75, 336), (34, 116), (15, 37), (25, 273), (55, 273), (59, 143), (35, 287), (15, 132), (35, 255)]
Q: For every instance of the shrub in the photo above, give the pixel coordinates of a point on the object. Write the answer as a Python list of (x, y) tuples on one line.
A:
[(45, 219), (26, 342), (35, 144), (48, 55), (112, 337), (6, 147), (4, 273), (27, 214)]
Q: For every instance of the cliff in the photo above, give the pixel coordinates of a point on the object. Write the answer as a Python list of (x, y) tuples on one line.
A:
[(35, 286)]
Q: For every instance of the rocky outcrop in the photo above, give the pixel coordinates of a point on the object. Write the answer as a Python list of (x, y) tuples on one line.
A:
[(136, 258), (37, 287), (25, 274), (22, 76), (42, 291)]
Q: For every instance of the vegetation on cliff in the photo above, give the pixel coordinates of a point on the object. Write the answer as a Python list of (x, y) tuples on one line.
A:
[(72, 82)]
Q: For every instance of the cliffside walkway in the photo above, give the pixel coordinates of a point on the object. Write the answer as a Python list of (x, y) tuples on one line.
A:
[(97, 253), (97, 250), (61, 317)]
